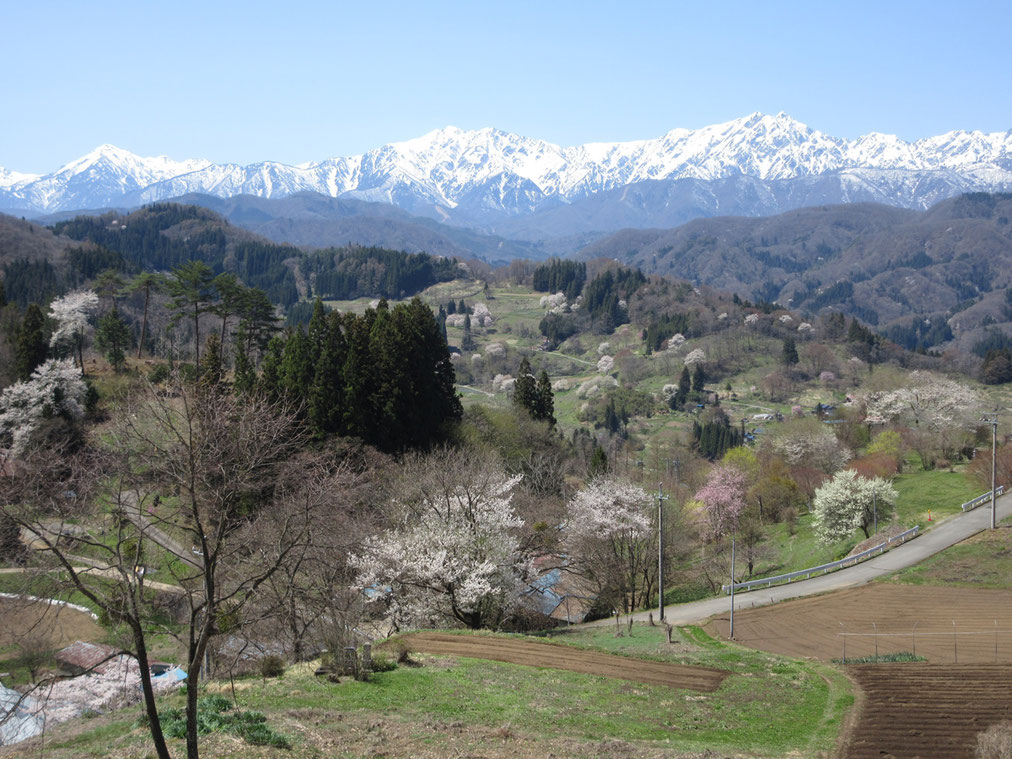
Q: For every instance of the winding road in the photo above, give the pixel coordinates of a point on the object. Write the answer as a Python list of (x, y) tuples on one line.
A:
[(945, 534)]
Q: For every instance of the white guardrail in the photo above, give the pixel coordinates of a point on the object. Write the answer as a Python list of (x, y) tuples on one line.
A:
[(984, 498), (825, 568)]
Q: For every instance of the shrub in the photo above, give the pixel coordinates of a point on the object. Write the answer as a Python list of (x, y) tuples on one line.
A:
[(271, 665), (383, 663), (159, 373)]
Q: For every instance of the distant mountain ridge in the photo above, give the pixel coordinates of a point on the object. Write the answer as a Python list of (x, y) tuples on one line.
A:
[(912, 274), (532, 189)]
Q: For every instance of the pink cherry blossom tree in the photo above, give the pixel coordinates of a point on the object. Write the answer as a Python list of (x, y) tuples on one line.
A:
[(723, 499)]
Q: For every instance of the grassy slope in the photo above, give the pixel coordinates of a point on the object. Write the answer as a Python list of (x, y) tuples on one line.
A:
[(770, 706), (983, 561)]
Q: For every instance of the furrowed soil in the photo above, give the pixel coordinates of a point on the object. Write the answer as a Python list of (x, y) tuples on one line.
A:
[(514, 651), (883, 618), (928, 711)]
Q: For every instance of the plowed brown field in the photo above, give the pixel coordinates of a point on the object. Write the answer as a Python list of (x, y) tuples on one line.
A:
[(57, 625), (907, 618), (927, 711), (531, 654)]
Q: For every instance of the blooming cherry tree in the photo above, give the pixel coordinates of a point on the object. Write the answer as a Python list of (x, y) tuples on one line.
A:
[(606, 364), (940, 412), (71, 314), (848, 502), (694, 357), (723, 499), (609, 539), (454, 554), (55, 389)]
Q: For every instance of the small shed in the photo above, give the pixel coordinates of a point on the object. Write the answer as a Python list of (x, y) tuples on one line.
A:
[(80, 657)]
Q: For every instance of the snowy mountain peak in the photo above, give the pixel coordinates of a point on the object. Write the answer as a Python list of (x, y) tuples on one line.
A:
[(488, 172)]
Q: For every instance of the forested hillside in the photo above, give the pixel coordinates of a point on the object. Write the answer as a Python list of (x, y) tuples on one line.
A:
[(922, 278)]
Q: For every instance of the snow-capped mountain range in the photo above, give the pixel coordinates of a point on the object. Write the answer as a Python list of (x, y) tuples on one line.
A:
[(754, 165)]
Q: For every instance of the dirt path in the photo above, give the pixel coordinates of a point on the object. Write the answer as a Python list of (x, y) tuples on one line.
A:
[(927, 711), (565, 657)]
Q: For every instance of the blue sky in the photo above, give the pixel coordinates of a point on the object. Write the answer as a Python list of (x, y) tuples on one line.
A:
[(298, 81)]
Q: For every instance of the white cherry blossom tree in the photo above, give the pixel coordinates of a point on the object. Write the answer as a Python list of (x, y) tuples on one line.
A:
[(71, 313), (609, 540), (454, 551), (940, 412), (846, 503), (54, 390)]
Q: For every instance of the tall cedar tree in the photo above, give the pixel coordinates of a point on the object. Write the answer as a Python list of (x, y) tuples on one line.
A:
[(384, 377), (790, 353), (525, 393), (31, 347), (467, 341), (698, 378), (545, 409), (112, 337)]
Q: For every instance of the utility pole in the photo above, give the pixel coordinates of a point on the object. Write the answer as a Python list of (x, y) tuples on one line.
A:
[(874, 509), (732, 588), (661, 498), (992, 419)]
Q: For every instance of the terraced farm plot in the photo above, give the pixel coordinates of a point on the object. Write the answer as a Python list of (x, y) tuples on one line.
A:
[(894, 618), (927, 711), (58, 625), (704, 679)]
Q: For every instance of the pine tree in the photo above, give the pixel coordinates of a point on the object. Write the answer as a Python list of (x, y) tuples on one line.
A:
[(149, 282), (231, 294), (598, 462), (192, 292), (109, 284), (31, 347), (3, 294), (112, 337)]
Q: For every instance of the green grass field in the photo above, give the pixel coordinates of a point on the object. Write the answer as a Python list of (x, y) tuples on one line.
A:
[(769, 706)]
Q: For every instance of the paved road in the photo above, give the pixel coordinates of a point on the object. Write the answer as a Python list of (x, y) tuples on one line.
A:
[(946, 533), (132, 510)]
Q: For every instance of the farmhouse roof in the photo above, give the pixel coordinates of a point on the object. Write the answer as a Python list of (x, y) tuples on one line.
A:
[(86, 656)]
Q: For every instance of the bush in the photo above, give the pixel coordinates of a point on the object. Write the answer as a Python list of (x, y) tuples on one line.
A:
[(215, 714), (159, 373), (383, 663), (271, 665)]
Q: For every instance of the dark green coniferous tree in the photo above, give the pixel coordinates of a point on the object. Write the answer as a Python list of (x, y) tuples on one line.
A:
[(31, 347)]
